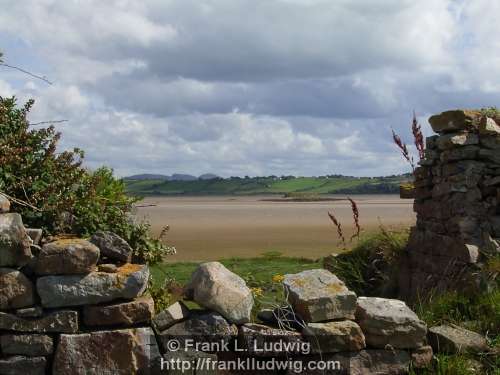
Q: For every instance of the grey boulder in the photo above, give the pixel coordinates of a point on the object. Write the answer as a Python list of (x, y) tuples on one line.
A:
[(448, 339), (112, 246), (97, 287), (171, 315), (31, 345), (333, 337), (215, 287)]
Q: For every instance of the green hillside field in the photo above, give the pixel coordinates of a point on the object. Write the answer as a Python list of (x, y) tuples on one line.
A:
[(268, 185)]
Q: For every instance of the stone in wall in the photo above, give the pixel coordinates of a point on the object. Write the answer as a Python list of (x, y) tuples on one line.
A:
[(97, 287), (14, 242), (318, 295), (16, 290)]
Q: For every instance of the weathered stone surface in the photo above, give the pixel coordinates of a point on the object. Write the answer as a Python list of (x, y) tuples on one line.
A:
[(112, 246), (451, 140), (120, 352), (4, 204), (67, 257), (173, 314), (263, 341), (202, 326), (108, 268), (140, 310), (461, 153), (453, 120), (215, 287), (97, 287), (488, 126), (16, 290), (14, 242), (421, 357), (35, 234), (30, 312), (170, 360), (447, 339), (389, 322), (318, 295), (17, 365), (64, 321), (31, 345), (332, 337)]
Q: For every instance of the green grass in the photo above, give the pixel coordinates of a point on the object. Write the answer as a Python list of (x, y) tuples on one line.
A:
[(267, 185)]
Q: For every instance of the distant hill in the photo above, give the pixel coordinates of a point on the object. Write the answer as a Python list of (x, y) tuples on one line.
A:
[(208, 176), (174, 177), (213, 185)]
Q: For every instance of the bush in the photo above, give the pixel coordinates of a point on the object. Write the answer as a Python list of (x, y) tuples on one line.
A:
[(51, 189)]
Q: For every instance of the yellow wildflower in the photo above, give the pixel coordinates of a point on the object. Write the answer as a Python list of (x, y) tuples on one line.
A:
[(278, 278)]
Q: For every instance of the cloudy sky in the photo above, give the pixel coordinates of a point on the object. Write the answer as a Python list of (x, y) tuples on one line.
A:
[(248, 87)]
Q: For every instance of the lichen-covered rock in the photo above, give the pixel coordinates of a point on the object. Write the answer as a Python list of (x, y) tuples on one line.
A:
[(97, 287), (454, 120), (389, 322), (64, 321), (447, 339), (14, 242), (451, 140), (333, 337), (171, 315), (118, 352), (31, 345), (16, 290), (318, 295), (108, 268), (140, 310), (112, 246), (263, 341), (215, 287), (17, 365), (4, 204), (67, 257)]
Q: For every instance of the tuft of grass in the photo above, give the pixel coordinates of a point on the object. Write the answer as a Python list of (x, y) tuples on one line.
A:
[(370, 268)]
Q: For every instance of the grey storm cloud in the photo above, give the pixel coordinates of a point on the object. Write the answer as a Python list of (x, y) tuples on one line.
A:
[(249, 87)]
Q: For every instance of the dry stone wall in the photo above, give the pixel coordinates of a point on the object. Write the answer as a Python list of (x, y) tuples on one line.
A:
[(457, 202), (76, 306)]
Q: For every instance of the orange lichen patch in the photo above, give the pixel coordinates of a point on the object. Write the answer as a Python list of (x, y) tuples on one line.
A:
[(336, 288), (129, 268), (68, 241), (299, 282)]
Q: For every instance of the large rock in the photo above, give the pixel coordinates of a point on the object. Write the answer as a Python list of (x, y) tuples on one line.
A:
[(120, 352), (17, 365), (31, 345), (4, 204), (140, 310), (318, 295), (389, 322), (448, 141), (14, 242), (67, 257), (171, 315), (97, 287), (112, 246), (447, 339), (64, 321), (453, 120), (333, 337), (215, 287), (16, 290), (263, 341)]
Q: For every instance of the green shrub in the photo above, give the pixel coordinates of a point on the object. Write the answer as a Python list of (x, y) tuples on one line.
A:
[(51, 189)]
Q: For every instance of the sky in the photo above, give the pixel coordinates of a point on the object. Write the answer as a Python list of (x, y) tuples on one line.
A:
[(248, 87)]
